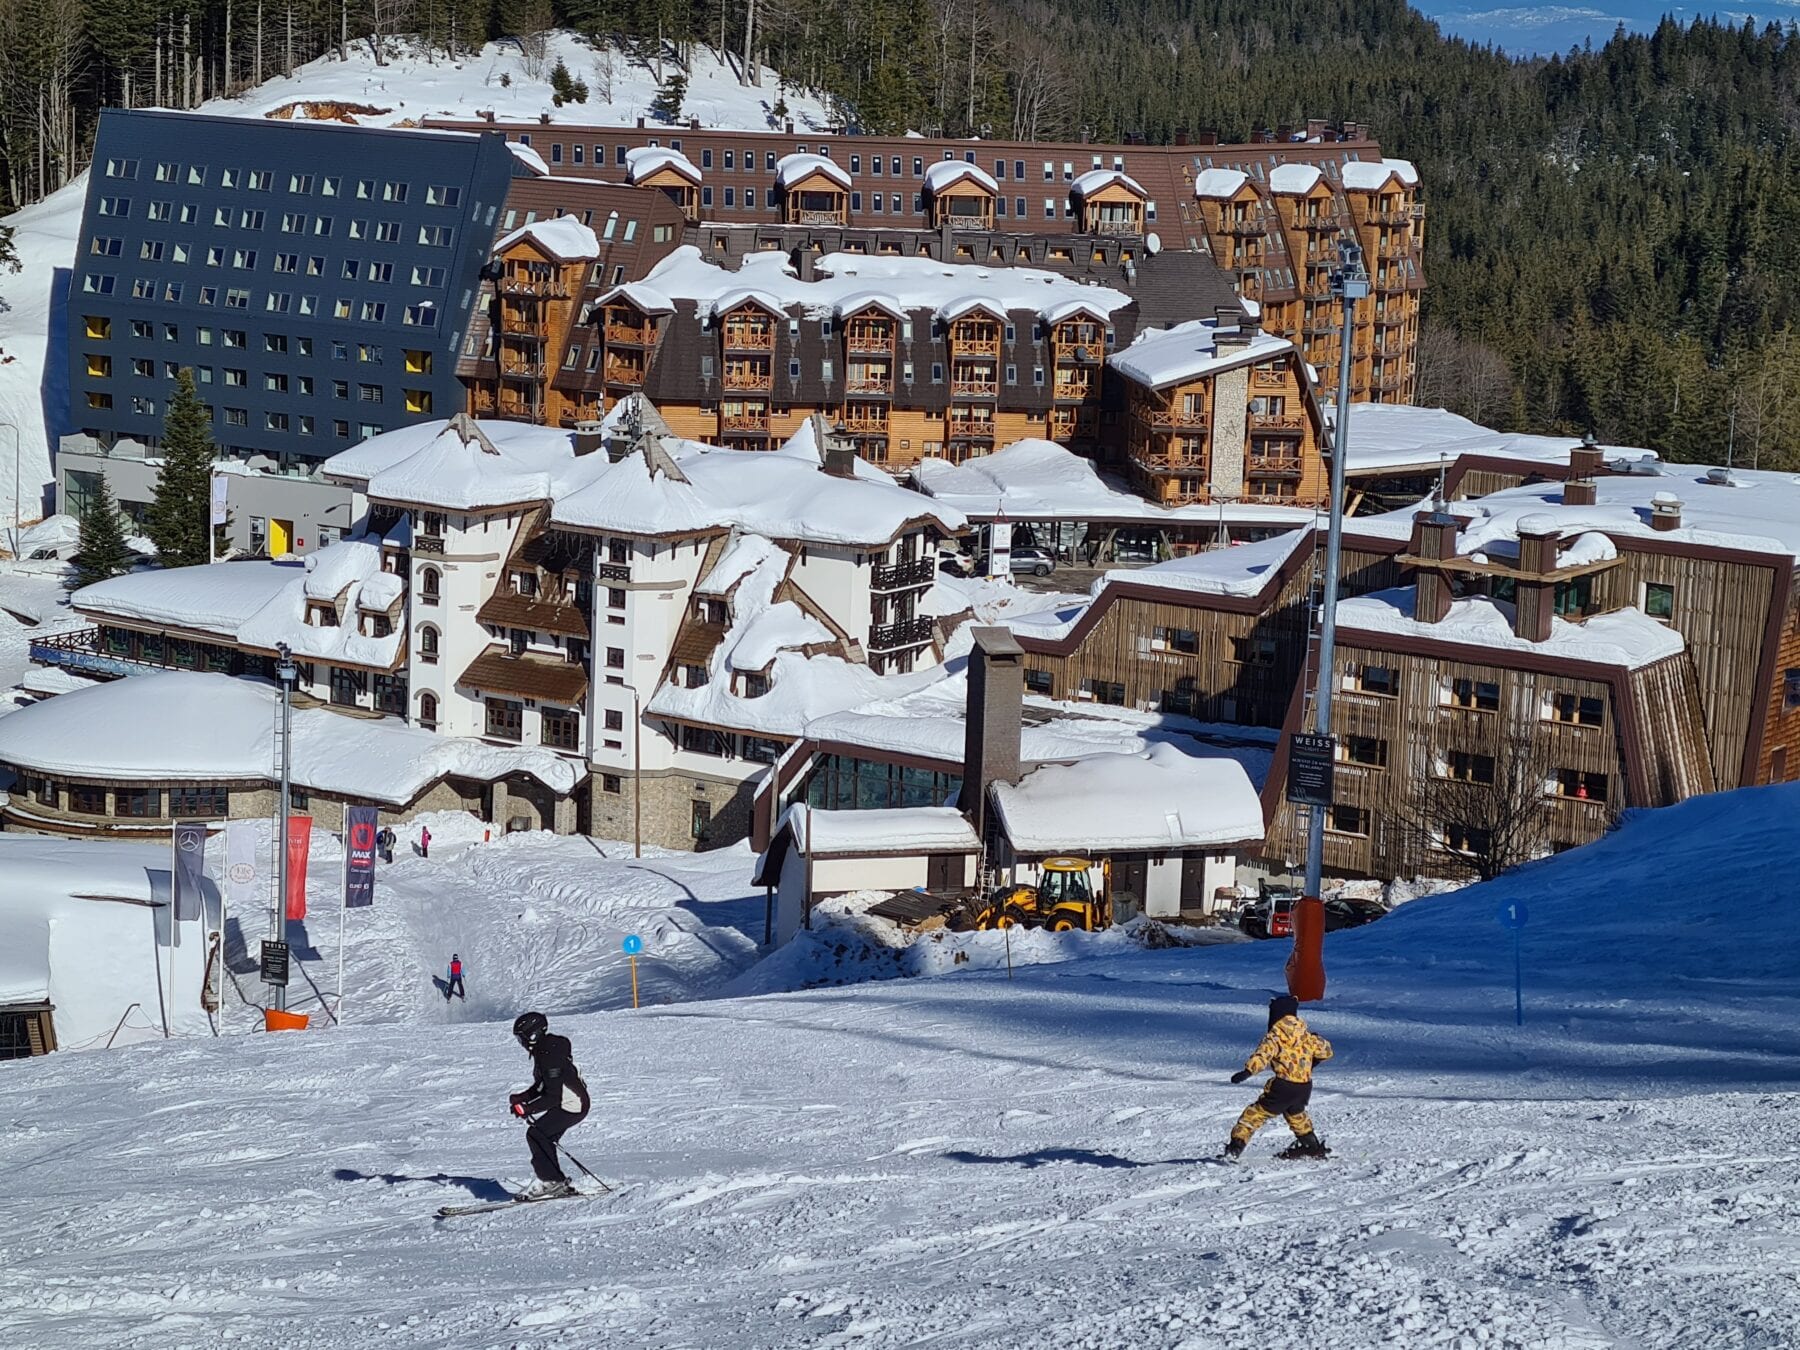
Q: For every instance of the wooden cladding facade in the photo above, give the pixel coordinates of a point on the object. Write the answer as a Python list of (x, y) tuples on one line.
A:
[(1645, 750)]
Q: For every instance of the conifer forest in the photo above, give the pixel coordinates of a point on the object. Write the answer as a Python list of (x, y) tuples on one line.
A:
[(1612, 234)]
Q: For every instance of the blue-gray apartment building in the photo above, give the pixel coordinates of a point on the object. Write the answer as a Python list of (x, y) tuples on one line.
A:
[(316, 277)]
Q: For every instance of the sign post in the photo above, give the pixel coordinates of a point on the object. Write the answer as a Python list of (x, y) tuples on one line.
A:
[(1513, 915), (632, 945)]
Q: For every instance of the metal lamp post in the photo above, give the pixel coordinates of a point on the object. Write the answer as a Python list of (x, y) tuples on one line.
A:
[(637, 775), (286, 673), (1306, 963)]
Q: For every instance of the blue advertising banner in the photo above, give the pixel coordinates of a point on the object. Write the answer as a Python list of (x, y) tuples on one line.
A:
[(360, 826)]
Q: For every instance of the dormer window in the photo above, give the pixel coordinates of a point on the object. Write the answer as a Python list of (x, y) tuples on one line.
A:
[(321, 614), (714, 611), (753, 684), (524, 583), (377, 625), (693, 677)]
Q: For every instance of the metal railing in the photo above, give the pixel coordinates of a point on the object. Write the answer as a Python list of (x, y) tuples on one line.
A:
[(897, 576), (906, 633)]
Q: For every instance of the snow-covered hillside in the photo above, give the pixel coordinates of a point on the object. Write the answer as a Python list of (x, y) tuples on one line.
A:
[(407, 89), (969, 1161)]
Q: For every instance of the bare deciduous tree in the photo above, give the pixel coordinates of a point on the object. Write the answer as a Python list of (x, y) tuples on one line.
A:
[(1489, 812)]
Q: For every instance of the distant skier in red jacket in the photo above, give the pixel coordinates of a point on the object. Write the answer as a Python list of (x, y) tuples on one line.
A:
[(454, 984)]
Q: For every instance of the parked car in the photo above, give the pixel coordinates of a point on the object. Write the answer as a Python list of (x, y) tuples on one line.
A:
[(1270, 915), (955, 562), (1039, 562), (1345, 912)]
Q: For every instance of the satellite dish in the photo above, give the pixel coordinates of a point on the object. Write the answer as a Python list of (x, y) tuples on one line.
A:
[(1081, 353), (1153, 243)]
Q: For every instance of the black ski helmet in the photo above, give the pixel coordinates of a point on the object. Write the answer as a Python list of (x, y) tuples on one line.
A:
[(1283, 1005), (527, 1027)]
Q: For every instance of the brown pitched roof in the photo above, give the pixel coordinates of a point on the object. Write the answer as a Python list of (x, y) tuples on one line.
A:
[(506, 610), (530, 676)]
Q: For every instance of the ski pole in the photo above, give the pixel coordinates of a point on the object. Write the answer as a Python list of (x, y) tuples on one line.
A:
[(572, 1158)]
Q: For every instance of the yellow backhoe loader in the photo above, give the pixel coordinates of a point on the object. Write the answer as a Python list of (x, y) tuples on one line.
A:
[(1063, 900)]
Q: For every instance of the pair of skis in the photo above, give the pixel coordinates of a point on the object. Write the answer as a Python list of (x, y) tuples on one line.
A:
[(514, 1202)]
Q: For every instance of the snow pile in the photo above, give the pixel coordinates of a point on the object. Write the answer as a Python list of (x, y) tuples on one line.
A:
[(859, 278), (1294, 180), (1397, 436), (1373, 175), (182, 726), (1626, 637), (1219, 183), (1097, 180), (644, 161), (797, 168), (947, 173), (902, 829), (1162, 798), (1241, 570), (1189, 351)]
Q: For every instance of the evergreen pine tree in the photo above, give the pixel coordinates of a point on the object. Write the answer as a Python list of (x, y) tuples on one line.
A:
[(101, 550), (179, 515), (666, 106)]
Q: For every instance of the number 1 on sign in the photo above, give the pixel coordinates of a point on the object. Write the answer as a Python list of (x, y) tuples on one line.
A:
[(632, 945)]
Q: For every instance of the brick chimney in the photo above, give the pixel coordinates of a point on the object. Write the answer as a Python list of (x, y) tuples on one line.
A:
[(995, 712), (1665, 511), (1182, 137), (1433, 539), (1535, 603)]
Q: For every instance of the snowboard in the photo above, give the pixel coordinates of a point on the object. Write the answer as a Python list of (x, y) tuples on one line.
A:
[(494, 1206)]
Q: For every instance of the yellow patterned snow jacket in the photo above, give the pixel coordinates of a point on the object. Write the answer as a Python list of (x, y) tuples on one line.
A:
[(1290, 1049)]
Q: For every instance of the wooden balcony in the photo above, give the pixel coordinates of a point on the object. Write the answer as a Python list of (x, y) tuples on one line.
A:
[(744, 422), (513, 368), (744, 339), (1277, 421), (1321, 222), (867, 422), (748, 379), (987, 388), (905, 575), (527, 288), (1177, 419), (1073, 391), (867, 386), (1127, 226), (907, 633), (974, 346), (807, 217), (865, 344), (1397, 216), (617, 372), (1273, 466), (1245, 226), (631, 337), (1268, 379)]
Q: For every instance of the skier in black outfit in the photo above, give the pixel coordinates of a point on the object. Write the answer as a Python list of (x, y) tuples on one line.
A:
[(556, 1101)]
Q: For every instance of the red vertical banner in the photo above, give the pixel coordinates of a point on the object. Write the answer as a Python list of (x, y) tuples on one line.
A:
[(299, 844)]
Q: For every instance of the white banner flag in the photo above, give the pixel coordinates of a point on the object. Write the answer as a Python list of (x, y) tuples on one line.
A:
[(220, 498), (240, 864)]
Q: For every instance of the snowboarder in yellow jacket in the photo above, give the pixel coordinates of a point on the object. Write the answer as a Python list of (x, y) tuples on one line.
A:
[(1291, 1050)]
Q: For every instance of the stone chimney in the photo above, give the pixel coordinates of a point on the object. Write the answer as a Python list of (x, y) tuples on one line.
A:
[(995, 713), (1535, 603), (587, 438), (837, 452), (1665, 511), (1433, 540)]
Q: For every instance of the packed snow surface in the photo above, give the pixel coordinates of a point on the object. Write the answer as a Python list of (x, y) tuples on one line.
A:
[(984, 1162)]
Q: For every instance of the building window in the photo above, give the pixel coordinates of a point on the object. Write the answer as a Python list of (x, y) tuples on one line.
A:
[(1475, 695), (1104, 691), (700, 822), (1790, 690), (612, 784), (1343, 819), (428, 711), (1183, 640), (505, 719), (1381, 680), (704, 741), (1577, 710), (347, 686), (1659, 600), (1039, 681), (138, 802), (199, 799), (560, 729), (1467, 767), (1579, 786), (1369, 750), (87, 801), (615, 658), (1575, 597), (1461, 838)]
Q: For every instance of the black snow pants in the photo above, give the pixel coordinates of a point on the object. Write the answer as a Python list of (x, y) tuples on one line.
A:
[(542, 1135)]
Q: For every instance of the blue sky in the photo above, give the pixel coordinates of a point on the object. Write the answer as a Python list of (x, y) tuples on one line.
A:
[(1542, 28)]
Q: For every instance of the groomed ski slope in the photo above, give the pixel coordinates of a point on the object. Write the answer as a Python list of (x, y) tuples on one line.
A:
[(967, 1162)]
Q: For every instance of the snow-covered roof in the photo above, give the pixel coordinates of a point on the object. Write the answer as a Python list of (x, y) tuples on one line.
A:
[(792, 169), (1219, 182), (1188, 351), (1362, 175), (1241, 570), (462, 464), (1096, 179), (905, 829), (839, 278), (646, 298), (1625, 637), (1386, 437), (1160, 798), (564, 238), (645, 160), (946, 173), (1035, 479), (1294, 180), (1757, 511), (258, 604), (183, 726), (782, 495), (855, 304), (530, 158)]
